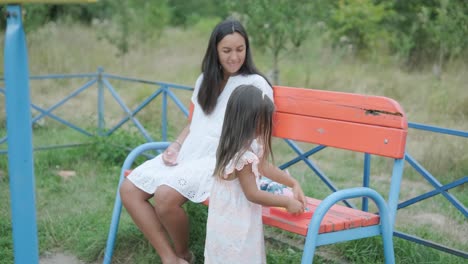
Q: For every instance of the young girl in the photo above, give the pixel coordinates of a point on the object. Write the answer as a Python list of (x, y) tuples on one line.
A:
[(234, 227)]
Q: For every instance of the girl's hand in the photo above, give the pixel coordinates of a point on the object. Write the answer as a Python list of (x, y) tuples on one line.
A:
[(170, 155), (294, 206), (298, 194)]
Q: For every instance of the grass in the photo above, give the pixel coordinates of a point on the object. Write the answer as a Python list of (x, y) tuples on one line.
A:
[(74, 213)]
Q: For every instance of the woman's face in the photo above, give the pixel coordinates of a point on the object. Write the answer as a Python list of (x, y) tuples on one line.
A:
[(231, 53)]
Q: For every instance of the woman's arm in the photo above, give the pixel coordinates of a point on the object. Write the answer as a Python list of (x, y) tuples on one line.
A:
[(183, 134), (170, 155), (253, 194)]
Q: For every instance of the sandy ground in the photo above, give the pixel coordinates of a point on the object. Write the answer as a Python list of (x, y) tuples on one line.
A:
[(59, 258)]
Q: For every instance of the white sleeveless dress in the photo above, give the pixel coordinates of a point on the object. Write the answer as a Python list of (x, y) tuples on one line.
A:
[(234, 230), (192, 176)]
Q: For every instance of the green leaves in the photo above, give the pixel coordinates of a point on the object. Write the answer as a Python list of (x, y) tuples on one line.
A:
[(133, 21)]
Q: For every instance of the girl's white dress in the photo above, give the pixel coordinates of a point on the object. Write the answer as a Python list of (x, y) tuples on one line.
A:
[(192, 176), (234, 230)]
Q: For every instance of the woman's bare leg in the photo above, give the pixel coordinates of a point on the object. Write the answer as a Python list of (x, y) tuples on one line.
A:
[(168, 205), (143, 214)]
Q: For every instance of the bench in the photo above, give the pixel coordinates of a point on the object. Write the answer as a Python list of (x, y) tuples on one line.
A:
[(369, 124)]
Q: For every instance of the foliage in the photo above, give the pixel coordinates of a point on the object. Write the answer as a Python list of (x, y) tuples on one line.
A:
[(418, 31), (185, 13), (428, 31), (115, 148), (138, 19), (119, 21), (448, 29), (287, 255), (359, 24), (6, 243), (198, 215), (36, 15)]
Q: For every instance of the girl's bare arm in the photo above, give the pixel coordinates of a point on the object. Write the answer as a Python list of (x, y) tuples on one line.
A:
[(253, 194), (277, 175)]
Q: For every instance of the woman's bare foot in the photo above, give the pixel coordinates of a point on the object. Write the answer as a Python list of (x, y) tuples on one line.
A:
[(189, 257), (175, 260), (182, 261)]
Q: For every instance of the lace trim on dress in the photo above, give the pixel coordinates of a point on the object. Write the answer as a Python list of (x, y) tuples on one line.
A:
[(247, 158)]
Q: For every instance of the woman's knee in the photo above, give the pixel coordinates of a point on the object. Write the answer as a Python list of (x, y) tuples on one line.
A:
[(128, 192), (125, 188), (167, 199)]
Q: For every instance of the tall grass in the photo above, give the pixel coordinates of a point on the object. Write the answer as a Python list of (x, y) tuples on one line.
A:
[(74, 213)]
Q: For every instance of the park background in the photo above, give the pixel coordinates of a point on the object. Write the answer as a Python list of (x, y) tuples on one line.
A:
[(411, 51)]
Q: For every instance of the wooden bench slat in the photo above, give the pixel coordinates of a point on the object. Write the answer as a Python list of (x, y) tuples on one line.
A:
[(373, 110), (384, 141), (338, 218)]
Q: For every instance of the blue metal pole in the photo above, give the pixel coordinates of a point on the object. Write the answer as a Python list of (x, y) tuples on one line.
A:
[(164, 113), (100, 103), (366, 180), (20, 150), (114, 226)]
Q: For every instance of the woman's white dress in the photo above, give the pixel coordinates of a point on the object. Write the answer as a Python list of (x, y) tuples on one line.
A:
[(192, 176), (234, 230)]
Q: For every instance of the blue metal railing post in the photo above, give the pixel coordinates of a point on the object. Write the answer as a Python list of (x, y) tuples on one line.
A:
[(366, 180), (100, 102), (164, 113), (20, 149)]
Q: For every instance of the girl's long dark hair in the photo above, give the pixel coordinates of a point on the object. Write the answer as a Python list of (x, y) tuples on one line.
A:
[(248, 116), (211, 86)]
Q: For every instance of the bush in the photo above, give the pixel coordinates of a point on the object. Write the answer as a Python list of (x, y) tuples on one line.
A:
[(115, 148)]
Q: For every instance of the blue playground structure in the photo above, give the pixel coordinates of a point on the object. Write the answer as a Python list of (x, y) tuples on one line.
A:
[(20, 152)]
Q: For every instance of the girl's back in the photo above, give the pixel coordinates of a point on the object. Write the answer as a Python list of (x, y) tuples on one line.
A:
[(234, 226)]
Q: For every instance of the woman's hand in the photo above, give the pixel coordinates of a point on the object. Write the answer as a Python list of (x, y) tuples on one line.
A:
[(170, 155)]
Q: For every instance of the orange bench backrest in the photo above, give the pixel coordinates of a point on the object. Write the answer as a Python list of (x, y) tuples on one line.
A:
[(370, 124)]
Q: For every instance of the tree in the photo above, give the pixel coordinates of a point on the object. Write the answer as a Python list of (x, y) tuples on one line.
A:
[(360, 23), (137, 19), (430, 30), (275, 25), (448, 26), (186, 13)]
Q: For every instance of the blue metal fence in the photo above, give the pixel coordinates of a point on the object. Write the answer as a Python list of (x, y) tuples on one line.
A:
[(103, 82), (165, 91)]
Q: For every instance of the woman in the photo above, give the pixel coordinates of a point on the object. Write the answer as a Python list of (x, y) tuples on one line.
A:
[(184, 171)]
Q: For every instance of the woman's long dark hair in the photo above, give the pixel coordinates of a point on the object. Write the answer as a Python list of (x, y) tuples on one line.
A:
[(211, 88), (249, 116)]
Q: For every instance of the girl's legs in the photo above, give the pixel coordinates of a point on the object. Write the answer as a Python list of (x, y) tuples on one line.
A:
[(168, 206), (143, 214)]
